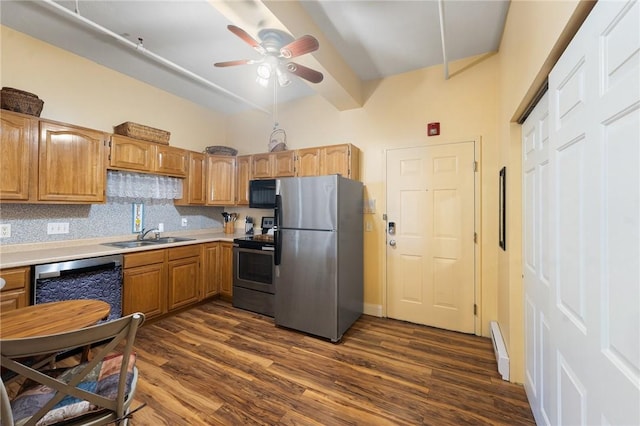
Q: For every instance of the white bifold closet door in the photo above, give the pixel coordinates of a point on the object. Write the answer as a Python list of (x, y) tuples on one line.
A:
[(581, 237)]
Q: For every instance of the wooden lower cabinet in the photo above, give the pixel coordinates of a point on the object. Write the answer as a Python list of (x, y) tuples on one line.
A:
[(183, 276), (210, 270), (145, 283), (15, 293), (226, 269)]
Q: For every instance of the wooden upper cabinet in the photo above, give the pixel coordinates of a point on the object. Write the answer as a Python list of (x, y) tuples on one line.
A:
[(340, 159), (131, 154), (284, 163), (148, 157), (273, 165), (193, 187), (171, 161), (243, 176), (308, 162), (71, 164), (262, 166), (18, 153), (221, 180)]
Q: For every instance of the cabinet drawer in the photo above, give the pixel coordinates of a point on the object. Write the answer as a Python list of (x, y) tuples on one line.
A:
[(15, 278), (144, 258), (184, 251)]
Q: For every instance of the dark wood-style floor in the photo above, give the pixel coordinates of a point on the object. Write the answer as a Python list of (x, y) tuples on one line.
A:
[(214, 364)]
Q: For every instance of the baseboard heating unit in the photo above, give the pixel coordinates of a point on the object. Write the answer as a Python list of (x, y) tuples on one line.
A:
[(500, 350)]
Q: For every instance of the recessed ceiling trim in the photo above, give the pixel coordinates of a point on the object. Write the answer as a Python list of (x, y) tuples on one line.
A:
[(148, 53), (442, 37)]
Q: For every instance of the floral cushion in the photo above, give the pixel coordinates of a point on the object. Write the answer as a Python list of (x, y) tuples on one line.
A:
[(102, 380)]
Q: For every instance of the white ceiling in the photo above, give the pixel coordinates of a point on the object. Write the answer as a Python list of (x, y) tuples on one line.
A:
[(359, 40)]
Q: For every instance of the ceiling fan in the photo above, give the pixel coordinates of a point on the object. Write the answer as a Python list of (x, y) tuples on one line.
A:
[(277, 50)]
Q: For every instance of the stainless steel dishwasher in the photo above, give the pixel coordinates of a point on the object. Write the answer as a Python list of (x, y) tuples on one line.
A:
[(97, 278)]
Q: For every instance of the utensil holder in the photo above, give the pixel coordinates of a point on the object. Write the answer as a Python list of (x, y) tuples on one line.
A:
[(229, 228)]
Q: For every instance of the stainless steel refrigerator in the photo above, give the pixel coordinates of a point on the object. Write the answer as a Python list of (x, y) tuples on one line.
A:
[(318, 254)]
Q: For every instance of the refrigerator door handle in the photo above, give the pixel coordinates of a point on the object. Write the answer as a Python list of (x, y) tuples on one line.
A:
[(276, 231)]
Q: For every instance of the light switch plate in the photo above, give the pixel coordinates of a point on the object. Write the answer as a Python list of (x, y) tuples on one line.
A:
[(57, 228)]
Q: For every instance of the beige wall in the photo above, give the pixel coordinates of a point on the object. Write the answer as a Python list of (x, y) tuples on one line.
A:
[(81, 92)]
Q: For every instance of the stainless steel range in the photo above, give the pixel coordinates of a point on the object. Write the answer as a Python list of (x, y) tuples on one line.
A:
[(253, 287)]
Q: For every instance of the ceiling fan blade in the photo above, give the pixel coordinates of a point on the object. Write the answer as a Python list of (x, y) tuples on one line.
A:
[(300, 46), (233, 63), (303, 72), (246, 38)]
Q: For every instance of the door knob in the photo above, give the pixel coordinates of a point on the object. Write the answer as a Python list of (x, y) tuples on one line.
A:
[(392, 243)]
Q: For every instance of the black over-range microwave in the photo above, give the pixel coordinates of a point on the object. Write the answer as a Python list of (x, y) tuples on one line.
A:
[(262, 194)]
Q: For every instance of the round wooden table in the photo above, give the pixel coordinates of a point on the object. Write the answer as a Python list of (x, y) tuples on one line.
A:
[(51, 318)]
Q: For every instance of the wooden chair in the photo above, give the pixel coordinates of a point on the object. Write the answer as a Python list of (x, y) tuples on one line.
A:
[(96, 392)]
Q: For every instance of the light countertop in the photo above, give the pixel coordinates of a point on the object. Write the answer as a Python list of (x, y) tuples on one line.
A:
[(16, 255)]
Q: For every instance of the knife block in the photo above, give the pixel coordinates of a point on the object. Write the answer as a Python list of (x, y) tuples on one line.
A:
[(229, 228)]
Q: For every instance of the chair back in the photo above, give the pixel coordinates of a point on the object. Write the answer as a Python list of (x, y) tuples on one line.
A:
[(107, 407)]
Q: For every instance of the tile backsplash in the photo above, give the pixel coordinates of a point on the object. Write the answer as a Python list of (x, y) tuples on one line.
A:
[(29, 221)]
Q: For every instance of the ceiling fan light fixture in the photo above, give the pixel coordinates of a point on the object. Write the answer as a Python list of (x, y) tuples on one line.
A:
[(264, 82), (283, 78), (264, 71)]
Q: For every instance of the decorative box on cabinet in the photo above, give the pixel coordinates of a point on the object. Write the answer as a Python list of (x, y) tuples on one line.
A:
[(19, 148), (193, 187), (221, 180), (15, 293)]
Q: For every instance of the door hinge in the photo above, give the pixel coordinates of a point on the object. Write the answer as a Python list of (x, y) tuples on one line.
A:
[(475, 237), (475, 309), (475, 166), (384, 216)]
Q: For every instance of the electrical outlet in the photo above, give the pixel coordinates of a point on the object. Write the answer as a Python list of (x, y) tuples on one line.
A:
[(367, 226), (5, 230), (161, 227), (57, 228), (184, 221)]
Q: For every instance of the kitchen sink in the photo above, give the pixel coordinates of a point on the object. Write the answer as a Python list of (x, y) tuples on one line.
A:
[(143, 243), (166, 240), (130, 244)]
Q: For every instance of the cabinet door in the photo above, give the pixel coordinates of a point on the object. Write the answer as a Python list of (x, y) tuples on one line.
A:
[(193, 187), (221, 180), (262, 166), (284, 164), (210, 270), (18, 153), (15, 293), (144, 290), (170, 160), (308, 162), (71, 167), (131, 154), (226, 269), (184, 281), (243, 176), (340, 159)]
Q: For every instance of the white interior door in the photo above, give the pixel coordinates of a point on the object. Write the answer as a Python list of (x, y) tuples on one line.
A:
[(582, 229), (430, 254)]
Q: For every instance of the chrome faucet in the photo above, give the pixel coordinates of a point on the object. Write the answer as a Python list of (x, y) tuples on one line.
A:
[(144, 233)]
